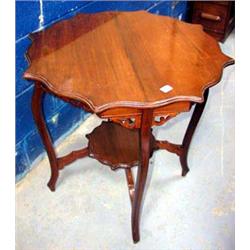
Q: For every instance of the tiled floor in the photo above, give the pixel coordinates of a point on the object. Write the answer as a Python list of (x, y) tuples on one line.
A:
[(90, 209)]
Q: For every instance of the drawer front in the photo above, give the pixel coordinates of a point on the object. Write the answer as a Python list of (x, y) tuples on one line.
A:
[(222, 2), (211, 16)]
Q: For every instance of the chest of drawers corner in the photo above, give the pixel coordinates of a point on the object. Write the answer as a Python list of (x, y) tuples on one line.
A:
[(216, 17)]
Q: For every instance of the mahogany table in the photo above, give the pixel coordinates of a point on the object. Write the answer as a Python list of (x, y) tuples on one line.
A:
[(135, 69)]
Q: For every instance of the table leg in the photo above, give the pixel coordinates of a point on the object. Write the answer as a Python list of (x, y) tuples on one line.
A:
[(37, 109), (145, 133), (190, 131), (130, 181)]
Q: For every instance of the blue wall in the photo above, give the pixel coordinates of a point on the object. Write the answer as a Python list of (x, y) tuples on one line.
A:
[(61, 117)]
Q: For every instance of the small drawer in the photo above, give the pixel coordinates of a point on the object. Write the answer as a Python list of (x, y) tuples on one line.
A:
[(222, 2), (211, 16)]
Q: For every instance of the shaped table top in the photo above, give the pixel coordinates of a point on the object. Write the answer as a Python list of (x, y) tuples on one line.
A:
[(125, 59)]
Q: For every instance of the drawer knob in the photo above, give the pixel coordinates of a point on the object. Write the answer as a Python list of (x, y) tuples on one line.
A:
[(210, 17)]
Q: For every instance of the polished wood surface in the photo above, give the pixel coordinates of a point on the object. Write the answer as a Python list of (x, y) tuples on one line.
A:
[(114, 64), (37, 110), (142, 172), (116, 146), (122, 59), (131, 185)]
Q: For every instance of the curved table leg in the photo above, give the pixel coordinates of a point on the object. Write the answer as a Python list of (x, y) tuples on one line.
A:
[(189, 133), (145, 132), (37, 101)]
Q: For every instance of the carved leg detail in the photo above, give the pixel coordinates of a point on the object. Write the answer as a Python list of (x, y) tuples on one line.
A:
[(145, 132), (37, 101), (189, 133)]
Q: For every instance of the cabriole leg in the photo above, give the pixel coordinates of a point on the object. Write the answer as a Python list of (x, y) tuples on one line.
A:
[(145, 133), (37, 109), (189, 133)]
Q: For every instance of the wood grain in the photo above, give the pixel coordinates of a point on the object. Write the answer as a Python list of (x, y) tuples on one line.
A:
[(142, 172), (116, 146), (38, 115), (122, 59)]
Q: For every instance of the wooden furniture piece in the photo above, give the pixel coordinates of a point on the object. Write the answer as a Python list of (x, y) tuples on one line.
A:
[(135, 69), (216, 17)]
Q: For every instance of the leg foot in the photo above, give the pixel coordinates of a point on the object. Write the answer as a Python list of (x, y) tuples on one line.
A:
[(184, 171), (51, 186), (136, 237), (184, 165), (52, 183)]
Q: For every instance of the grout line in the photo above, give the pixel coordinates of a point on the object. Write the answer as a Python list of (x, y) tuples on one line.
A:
[(47, 120), (54, 20), (41, 16), (68, 13), (22, 38), (57, 144), (24, 91), (154, 5)]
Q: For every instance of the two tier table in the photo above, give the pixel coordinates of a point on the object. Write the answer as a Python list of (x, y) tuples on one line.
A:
[(136, 70)]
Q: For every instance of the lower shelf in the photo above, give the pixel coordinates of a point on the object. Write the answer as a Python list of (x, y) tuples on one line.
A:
[(116, 146)]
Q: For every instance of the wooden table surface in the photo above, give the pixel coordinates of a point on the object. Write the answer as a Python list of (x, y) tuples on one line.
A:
[(119, 59)]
